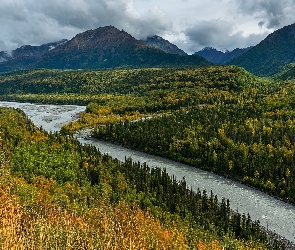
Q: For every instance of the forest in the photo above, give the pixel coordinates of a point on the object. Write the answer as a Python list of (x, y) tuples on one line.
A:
[(221, 118), (56, 192)]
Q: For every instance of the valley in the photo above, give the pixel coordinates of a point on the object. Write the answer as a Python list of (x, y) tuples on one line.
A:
[(210, 148)]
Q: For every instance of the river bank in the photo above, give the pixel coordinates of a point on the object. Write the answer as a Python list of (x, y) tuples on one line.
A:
[(275, 215)]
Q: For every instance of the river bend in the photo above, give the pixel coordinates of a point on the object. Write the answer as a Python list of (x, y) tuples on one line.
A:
[(272, 213)]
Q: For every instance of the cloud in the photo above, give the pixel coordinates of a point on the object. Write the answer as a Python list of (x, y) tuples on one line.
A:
[(2, 46), (37, 22), (192, 24), (207, 33), (275, 13), (12, 10), (219, 34)]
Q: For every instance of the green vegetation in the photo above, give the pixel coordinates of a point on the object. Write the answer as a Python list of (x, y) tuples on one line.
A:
[(220, 118), (243, 131), (135, 81), (96, 202), (123, 57), (287, 72)]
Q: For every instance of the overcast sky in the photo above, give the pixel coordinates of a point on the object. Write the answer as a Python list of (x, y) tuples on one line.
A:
[(190, 24)]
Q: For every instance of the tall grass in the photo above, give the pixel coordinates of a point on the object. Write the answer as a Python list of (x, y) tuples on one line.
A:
[(105, 227)]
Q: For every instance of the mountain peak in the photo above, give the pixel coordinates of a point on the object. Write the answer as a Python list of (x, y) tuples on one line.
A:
[(102, 38), (158, 42)]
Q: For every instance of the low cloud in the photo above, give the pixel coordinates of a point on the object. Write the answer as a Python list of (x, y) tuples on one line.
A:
[(2, 46), (218, 34), (37, 22)]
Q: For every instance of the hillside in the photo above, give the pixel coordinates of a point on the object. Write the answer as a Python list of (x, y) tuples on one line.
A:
[(121, 81), (287, 72), (163, 44), (275, 51), (220, 57)]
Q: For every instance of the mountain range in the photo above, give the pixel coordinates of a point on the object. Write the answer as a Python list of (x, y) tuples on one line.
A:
[(220, 57), (108, 47), (104, 47)]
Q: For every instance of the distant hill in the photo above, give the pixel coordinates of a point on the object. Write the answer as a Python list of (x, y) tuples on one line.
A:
[(25, 56), (220, 57), (275, 51), (162, 44), (108, 47)]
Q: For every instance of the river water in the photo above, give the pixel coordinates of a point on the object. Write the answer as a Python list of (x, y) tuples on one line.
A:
[(272, 213)]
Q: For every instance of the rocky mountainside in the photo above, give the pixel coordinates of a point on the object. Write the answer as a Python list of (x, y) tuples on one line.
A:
[(163, 44), (271, 54), (25, 56), (101, 39), (220, 57)]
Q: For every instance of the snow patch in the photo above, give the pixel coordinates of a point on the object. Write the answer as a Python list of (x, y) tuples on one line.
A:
[(2, 59)]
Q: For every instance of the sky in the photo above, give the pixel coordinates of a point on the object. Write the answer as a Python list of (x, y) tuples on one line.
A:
[(189, 24)]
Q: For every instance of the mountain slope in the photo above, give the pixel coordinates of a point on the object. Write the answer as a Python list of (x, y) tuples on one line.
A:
[(25, 56), (275, 51), (108, 47), (287, 72), (220, 57), (163, 44)]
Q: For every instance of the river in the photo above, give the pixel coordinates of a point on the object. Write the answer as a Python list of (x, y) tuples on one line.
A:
[(272, 213)]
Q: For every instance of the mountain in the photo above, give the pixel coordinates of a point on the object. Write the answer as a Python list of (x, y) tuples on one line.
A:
[(108, 47), (104, 47), (30, 51), (271, 54), (162, 44), (25, 56), (220, 57)]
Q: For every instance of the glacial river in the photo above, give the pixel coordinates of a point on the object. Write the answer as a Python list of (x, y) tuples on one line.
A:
[(272, 213)]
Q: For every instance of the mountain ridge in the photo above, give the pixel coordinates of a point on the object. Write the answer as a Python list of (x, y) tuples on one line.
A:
[(220, 57), (102, 38), (163, 44), (25, 56), (272, 53), (104, 47)]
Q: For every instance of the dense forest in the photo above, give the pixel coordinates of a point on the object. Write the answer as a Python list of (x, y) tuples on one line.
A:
[(56, 192), (220, 118)]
